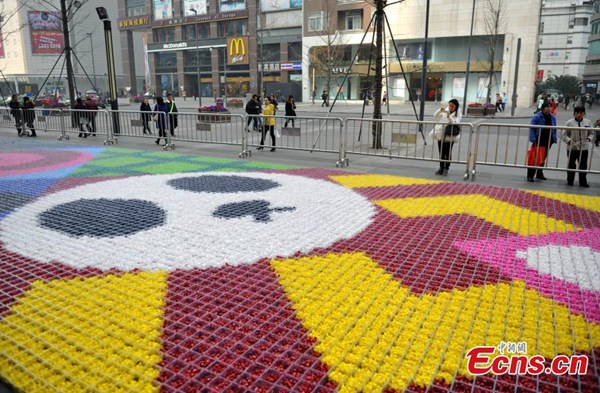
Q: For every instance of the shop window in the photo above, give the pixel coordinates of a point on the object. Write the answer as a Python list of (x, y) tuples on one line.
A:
[(295, 51), (167, 60), (164, 35), (135, 7), (233, 28)]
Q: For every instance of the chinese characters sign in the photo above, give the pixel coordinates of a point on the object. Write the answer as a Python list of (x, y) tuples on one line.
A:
[(135, 22), (46, 32)]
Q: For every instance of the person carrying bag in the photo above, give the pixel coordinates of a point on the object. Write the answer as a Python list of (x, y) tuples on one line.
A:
[(446, 133)]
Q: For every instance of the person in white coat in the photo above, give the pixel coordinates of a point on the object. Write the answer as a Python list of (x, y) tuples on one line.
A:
[(446, 133)]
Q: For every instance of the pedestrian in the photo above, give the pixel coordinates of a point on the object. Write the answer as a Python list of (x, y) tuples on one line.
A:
[(542, 140), (15, 111), (553, 106), (161, 118), (275, 103), (314, 95), (325, 97), (446, 133), (172, 114), (145, 108), (290, 111), (384, 97), (541, 101), (253, 112), (504, 101), (578, 142), (269, 116), (92, 107), (567, 100), (498, 102), (591, 101), (80, 117), (29, 115)]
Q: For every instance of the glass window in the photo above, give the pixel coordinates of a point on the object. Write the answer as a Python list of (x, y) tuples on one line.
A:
[(596, 28), (270, 52), (317, 21), (350, 20), (581, 21), (295, 51), (135, 7), (189, 31), (164, 35), (167, 60), (569, 39), (232, 28)]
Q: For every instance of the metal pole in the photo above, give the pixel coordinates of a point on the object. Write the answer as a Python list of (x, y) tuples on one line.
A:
[(424, 73), (112, 79), (93, 62), (468, 60), (197, 58), (225, 75), (516, 83), (65, 25)]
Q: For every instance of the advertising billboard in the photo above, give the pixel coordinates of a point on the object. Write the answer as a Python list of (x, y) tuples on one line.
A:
[(163, 9), (231, 5), (46, 32), (237, 51), (198, 5), (279, 5)]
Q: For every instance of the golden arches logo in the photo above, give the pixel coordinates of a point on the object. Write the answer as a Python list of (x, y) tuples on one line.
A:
[(237, 50)]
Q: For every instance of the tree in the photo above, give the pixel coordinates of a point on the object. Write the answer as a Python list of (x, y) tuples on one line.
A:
[(566, 84), (494, 25)]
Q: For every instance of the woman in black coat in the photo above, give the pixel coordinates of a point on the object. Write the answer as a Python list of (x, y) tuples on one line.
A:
[(15, 111), (146, 115), (290, 111), (29, 114)]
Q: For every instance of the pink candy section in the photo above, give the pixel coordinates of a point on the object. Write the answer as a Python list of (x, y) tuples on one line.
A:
[(502, 254), (49, 162), (14, 159)]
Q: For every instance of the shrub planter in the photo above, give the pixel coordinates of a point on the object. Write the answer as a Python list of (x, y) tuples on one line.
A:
[(476, 111), (235, 104), (214, 117)]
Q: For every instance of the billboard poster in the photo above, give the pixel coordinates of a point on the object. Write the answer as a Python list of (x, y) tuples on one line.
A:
[(1, 45), (46, 32), (279, 5), (163, 9), (232, 5), (198, 5)]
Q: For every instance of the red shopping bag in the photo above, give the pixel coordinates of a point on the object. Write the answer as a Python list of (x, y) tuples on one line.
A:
[(536, 155)]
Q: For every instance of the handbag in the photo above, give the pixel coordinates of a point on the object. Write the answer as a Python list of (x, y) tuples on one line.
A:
[(277, 133), (155, 117), (452, 130), (536, 155)]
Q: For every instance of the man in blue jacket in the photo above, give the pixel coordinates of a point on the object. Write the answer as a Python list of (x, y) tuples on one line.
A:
[(542, 138)]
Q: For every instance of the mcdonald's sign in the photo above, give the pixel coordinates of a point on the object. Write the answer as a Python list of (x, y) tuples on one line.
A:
[(237, 51)]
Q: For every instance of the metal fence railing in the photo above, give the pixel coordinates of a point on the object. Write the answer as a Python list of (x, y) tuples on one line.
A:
[(508, 145), (406, 139), (314, 134), (489, 144)]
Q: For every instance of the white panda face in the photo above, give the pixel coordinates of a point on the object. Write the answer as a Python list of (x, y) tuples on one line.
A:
[(185, 221)]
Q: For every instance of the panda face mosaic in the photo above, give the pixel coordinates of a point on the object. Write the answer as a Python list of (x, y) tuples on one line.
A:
[(169, 222)]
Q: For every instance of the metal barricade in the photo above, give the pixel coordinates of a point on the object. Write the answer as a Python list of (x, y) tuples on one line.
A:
[(85, 123), (403, 139), (507, 145), (314, 134), (10, 119), (138, 124), (51, 120), (207, 127)]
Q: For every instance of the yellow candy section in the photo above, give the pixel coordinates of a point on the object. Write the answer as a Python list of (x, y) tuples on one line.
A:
[(99, 333), (582, 201), (363, 181), (374, 334), (513, 218)]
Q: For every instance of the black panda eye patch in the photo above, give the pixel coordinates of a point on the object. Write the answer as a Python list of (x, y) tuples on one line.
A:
[(260, 210), (222, 184), (103, 217)]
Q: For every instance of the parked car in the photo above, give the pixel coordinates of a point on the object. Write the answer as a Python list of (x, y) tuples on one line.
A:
[(46, 100)]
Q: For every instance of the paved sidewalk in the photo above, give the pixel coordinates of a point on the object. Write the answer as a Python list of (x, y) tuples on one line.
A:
[(128, 269)]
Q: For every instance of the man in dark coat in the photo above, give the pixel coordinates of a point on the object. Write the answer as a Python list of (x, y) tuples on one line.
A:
[(172, 113)]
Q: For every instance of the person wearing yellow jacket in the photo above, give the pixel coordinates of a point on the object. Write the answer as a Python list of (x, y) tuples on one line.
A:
[(269, 123)]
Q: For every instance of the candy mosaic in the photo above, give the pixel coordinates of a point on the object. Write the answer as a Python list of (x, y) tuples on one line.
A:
[(135, 271)]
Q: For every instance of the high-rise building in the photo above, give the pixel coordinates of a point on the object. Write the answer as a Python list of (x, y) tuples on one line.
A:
[(591, 71), (564, 33)]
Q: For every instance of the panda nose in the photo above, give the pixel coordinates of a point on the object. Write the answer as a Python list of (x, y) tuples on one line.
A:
[(259, 210)]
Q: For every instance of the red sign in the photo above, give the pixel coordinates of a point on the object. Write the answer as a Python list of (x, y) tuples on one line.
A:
[(540, 75), (46, 32)]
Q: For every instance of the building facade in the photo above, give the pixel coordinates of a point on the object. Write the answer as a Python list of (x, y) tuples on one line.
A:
[(346, 23), (564, 32), (591, 72), (217, 47), (32, 43)]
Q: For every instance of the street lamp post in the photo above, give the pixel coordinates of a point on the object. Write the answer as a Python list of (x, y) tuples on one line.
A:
[(110, 62), (197, 58), (93, 62), (224, 76)]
